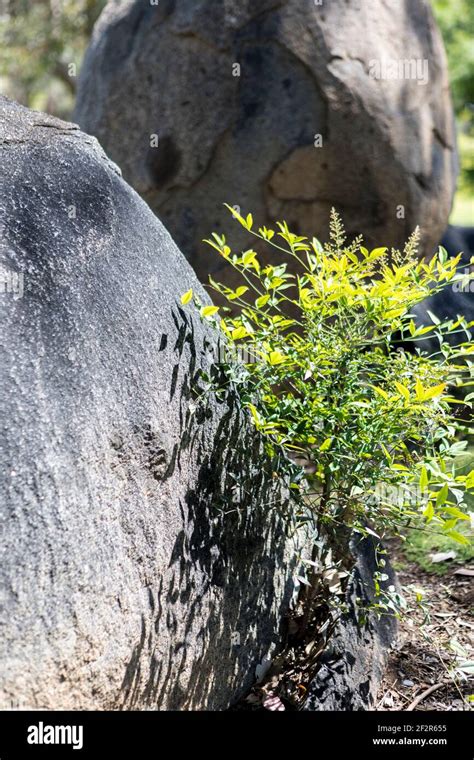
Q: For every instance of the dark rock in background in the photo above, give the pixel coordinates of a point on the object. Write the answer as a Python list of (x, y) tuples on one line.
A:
[(455, 300), (459, 240), (307, 74), (124, 584), (354, 663)]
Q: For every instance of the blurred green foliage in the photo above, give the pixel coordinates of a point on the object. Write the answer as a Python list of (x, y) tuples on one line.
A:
[(42, 43), (421, 544), (456, 21)]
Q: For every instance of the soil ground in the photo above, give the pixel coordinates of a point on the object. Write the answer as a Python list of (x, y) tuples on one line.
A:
[(436, 640)]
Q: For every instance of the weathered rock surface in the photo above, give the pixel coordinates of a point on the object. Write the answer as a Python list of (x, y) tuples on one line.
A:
[(247, 136), (123, 582), (354, 663)]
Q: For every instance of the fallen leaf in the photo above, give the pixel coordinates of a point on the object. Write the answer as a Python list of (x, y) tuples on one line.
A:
[(273, 703), (466, 667), (443, 556), (464, 622)]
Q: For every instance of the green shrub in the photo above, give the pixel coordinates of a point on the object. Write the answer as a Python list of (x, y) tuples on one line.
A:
[(372, 426)]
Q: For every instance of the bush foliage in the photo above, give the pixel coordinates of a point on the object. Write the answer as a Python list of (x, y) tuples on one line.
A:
[(311, 352)]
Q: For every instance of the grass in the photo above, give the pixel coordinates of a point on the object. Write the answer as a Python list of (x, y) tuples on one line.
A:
[(421, 544), (462, 214)]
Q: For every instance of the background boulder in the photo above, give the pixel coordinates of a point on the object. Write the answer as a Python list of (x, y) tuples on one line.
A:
[(455, 300), (276, 107), (141, 566)]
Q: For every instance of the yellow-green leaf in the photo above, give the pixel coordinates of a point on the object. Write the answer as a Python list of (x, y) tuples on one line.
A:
[(248, 257), (275, 357), (186, 297), (209, 311), (429, 512), (266, 234), (456, 512), (236, 214), (376, 253), (424, 330), (442, 495), (237, 293), (419, 390), (392, 313), (239, 332), (380, 392), (255, 415), (403, 390), (470, 480), (436, 390), (325, 444), (459, 537), (262, 301)]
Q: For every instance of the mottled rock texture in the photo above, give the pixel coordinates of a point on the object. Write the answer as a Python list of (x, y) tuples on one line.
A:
[(354, 662), (140, 564), (307, 74)]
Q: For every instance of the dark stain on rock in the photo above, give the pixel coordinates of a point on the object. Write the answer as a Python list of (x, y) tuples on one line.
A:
[(163, 161)]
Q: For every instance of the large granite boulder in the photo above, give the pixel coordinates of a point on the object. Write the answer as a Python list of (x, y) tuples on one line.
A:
[(141, 565), (282, 108)]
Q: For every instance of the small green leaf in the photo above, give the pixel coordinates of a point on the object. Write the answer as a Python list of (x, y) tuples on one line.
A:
[(262, 300), (433, 317), (209, 311), (326, 444), (403, 390), (376, 253), (186, 297), (237, 293), (380, 392), (429, 512), (442, 495), (458, 537), (239, 332), (248, 257), (469, 483), (275, 357), (456, 512)]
